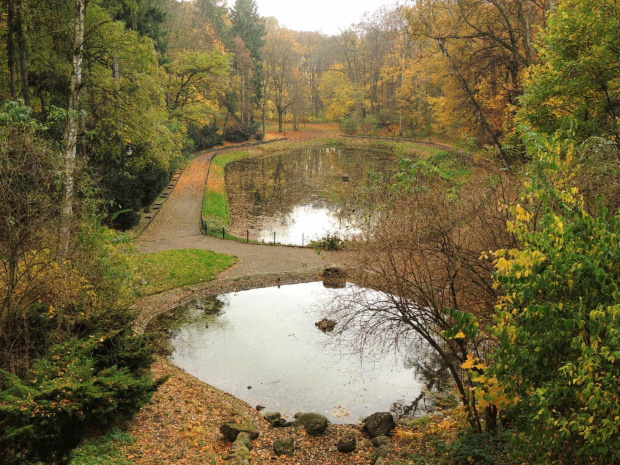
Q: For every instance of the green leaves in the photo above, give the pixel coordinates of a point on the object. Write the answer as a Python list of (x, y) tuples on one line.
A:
[(559, 321), (576, 85)]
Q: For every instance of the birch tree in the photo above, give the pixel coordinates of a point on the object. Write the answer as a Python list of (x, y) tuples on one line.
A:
[(71, 130)]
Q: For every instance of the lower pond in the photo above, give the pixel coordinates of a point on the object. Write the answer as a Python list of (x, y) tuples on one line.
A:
[(263, 347), (301, 195)]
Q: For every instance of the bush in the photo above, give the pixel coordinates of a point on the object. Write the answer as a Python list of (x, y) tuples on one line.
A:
[(559, 322), (240, 133), (329, 242), (349, 126), (77, 385), (480, 448), (204, 137)]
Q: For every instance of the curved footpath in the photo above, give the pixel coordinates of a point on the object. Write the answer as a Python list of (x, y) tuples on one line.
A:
[(177, 226)]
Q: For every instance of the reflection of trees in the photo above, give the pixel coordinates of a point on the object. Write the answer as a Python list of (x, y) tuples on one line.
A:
[(433, 372), (168, 325), (273, 187), (423, 258)]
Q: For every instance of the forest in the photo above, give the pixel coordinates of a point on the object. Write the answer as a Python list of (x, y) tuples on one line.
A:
[(513, 267)]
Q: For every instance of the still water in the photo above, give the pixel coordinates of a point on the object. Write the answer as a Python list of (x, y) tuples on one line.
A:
[(301, 195), (263, 347)]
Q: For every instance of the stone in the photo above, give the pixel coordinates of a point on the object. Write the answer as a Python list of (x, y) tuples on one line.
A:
[(284, 447), (382, 451), (334, 278), (380, 461), (379, 424), (230, 431), (243, 440), (326, 325), (260, 407), (272, 416), (315, 424), (275, 419), (380, 441), (347, 444)]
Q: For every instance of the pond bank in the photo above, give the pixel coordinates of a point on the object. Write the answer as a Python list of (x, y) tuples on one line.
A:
[(152, 306)]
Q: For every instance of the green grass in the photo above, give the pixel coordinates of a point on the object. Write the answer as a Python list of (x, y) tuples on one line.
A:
[(450, 165), (103, 450), (215, 203), (162, 271)]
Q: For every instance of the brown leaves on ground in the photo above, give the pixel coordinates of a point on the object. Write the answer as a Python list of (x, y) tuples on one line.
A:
[(182, 424)]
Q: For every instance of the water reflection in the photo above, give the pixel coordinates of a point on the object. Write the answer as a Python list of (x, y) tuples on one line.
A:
[(300, 195), (263, 347)]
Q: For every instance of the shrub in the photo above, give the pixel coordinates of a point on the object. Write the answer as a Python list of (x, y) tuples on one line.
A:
[(78, 385), (240, 133), (349, 126), (329, 242), (559, 322), (204, 137)]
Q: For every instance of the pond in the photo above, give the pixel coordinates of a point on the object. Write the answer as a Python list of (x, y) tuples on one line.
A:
[(301, 195), (263, 347)]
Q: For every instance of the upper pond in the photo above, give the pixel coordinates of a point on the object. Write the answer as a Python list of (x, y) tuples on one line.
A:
[(300, 195), (263, 347)]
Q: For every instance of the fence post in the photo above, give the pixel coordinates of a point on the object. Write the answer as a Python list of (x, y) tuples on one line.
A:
[(223, 233), (302, 239), (247, 240), (274, 238)]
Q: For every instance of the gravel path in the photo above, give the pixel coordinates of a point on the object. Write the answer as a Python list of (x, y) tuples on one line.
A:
[(177, 226)]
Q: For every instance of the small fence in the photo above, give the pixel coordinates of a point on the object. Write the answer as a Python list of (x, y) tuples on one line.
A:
[(255, 237)]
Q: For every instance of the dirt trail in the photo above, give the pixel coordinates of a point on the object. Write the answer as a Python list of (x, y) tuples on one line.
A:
[(177, 226)]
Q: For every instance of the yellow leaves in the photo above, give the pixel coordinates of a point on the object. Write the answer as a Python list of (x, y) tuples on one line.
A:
[(473, 362), (460, 335), (469, 363), (522, 214)]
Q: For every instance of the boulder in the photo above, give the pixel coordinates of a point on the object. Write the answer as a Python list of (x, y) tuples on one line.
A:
[(230, 431), (379, 424), (326, 325), (272, 417), (243, 440), (334, 278), (315, 424), (347, 444), (284, 447), (380, 441), (275, 420)]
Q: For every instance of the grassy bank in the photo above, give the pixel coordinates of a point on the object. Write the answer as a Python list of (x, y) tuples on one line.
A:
[(215, 203), (171, 269)]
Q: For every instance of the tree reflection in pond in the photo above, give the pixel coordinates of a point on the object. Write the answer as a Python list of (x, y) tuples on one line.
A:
[(267, 339), (300, 194)]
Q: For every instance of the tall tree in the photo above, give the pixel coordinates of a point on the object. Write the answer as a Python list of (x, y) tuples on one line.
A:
[(576, 84), (250, 27), (71, 131)]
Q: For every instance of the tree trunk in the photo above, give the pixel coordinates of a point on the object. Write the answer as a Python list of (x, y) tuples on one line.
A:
[(71, 131), (23, 53), (11, 48), (474, 102), (280, 119)]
